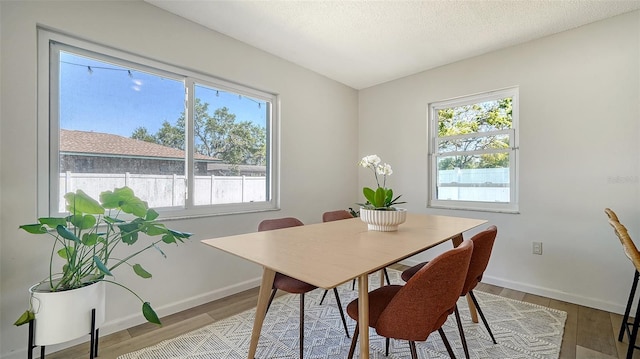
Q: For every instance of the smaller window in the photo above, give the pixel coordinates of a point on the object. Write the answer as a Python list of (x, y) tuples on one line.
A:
[(473, 152)]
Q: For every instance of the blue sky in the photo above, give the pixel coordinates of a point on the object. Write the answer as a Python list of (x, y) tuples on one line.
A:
[(102, 97)]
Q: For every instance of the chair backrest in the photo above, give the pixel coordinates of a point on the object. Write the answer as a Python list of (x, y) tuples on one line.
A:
[(427, 299), (270, 224), (611, 214), (627, 243), (482, 246), (336, 215)]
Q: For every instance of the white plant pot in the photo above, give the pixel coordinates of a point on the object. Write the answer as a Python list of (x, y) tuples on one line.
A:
[(383, 221), (66, 315)]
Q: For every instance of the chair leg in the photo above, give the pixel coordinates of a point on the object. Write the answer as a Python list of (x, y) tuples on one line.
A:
[(634, 333), (353, 284), (301, 325), (386, 275), (344, 321), (461, 331), (354, 340), (386, 346), (625, 319), (446, 343), (323, 296), (412, 347), (484, 320), (273, 294)]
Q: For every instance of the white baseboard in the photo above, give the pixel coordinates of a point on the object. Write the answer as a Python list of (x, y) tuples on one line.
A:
[(556, 294), (133, 320), (547, 292)]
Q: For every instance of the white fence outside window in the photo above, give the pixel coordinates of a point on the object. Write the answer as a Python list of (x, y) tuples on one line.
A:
[(167, 191), (477, 184)]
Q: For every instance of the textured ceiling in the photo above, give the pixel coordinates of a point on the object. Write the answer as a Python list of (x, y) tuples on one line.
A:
[(363, 43)]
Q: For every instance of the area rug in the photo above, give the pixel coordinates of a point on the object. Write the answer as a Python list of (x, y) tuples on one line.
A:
[(522, 330)]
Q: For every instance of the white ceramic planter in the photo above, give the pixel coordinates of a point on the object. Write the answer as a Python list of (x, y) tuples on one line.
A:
[(383, 221), (66, 315)]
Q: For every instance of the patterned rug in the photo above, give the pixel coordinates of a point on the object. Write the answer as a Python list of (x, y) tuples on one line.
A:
[(522, 330)]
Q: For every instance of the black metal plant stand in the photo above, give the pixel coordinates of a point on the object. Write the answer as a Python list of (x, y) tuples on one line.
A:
[(93, 349)]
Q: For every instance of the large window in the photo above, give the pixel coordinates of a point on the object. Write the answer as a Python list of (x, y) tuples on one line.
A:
[(187, 143), (473, 148)]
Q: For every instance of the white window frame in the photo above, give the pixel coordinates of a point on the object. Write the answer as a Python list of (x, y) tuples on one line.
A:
[(433, 140), (48, 127)]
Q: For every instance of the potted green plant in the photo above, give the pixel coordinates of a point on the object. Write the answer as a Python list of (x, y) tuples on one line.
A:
[(379, 211), (86, 241)]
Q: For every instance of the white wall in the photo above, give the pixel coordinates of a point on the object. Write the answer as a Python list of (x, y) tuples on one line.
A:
[(318, 136), (579, 94), (579, 127), (2, 317)]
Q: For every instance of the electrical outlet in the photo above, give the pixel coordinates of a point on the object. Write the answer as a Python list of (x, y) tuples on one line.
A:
[(537, 248)]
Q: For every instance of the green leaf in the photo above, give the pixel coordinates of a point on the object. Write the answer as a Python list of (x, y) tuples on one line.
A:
[(395, 201), (25, 318), (90, 239), (101, 266), (137, 268), (389, 196), (150, 314), (369, 194), (155, 229), (66, 234), (114, 199), (83, 222), (34, 228), (129, 232), (151, 214), (53, 222), (169, 238), (180, 234), (138, 208), (380, 196), (80, 202), (112, 220), (66, 252), (124, 199)]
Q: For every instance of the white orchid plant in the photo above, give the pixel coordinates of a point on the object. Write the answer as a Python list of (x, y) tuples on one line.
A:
[(382, 197)]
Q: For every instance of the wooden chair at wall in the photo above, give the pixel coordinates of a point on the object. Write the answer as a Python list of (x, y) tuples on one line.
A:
[(337, 216), (413, 311), (292, 285), (611, 214), (630, 250)]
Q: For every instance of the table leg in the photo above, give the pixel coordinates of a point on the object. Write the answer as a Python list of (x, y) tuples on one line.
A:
[(363, 315), (382, 277), (261, 310), (457, 240)]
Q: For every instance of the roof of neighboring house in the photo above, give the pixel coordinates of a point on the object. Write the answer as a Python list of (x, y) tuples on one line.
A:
[(98, 143)]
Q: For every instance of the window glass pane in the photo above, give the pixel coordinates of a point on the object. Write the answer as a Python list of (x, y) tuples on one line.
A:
[(230, 145), (478, 178), (479, 117), (475, 143), (112, 122)]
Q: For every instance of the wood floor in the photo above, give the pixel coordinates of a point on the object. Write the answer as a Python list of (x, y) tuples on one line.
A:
[(588, 334)]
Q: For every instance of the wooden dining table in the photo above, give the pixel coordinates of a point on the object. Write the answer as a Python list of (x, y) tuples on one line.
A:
[(331, 253)]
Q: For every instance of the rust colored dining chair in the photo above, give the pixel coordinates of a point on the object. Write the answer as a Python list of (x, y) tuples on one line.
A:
[(413, 311), (292, 285), (482, 246), (336, 216), (632, 253)]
